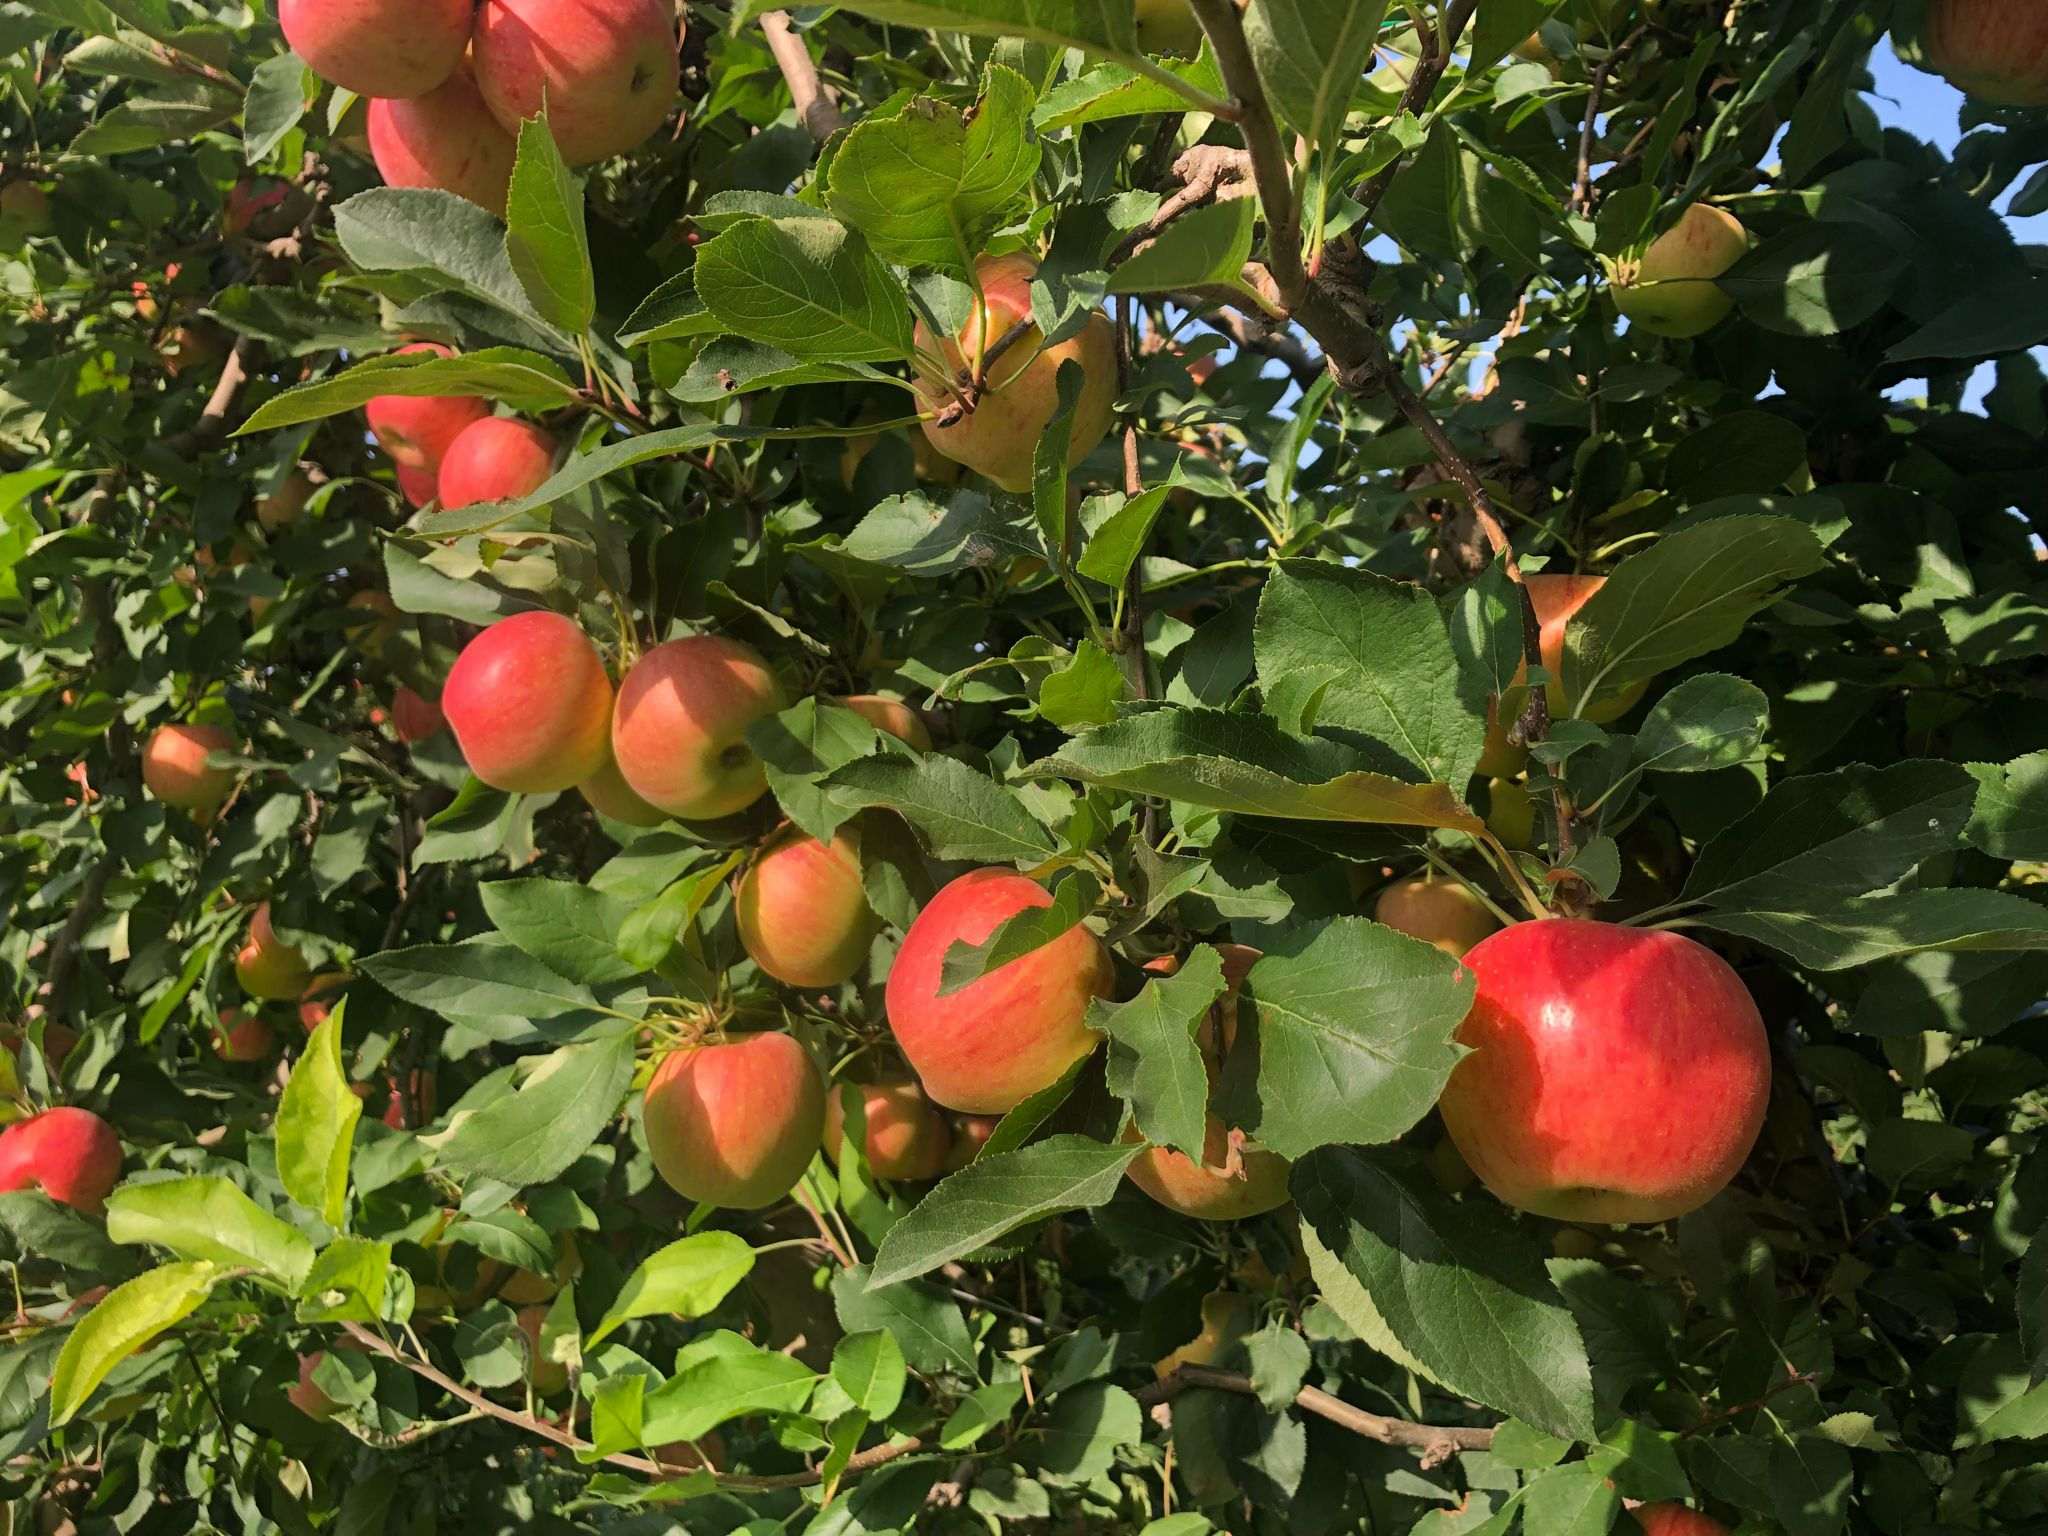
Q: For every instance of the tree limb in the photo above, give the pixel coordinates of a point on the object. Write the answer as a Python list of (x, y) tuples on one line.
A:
[(1270, 168), (816, 102), (1582, 184), (1421, 86), (1436, 1442)]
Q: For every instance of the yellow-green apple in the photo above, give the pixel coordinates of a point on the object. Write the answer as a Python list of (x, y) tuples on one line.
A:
[(1994, 50), (174, 766), (1020, 394), (1676, 1520), (679, 733), (1227, 1317), (988, 1047), (417, 429), (306, 1395), (735, 1124), (970, 1133), (496, 459), (70, 1154), (1218, 1188), (1670, 289), (242, 1037), (1500, 758), (606, 70), (530, 703), (1168, 26), (318, 999), (905, 1139), (282, 506), (1439, 912), (892, 717), (266, 966), (414, 716), (607, 793), (445, 139), (802, 913), (378, 47), (1510, 813), (1616, 1074), (417, 486)]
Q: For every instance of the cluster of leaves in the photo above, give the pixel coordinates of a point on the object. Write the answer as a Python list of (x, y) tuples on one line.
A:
[(1221, 681)]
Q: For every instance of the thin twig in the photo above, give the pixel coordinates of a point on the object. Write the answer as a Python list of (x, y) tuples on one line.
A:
[(1582, 184), (1437, 1443), (1421, 85), (1783, 1384), (817, 104)]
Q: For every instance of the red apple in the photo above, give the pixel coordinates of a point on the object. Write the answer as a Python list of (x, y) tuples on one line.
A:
[(415, 717), (266, 966), (446, 139), (1676, 1520), (319, 998), (1214, 1189), (1994, 50), (1671, 290), (307, 1396), (735, 1124), (257, 206), (1021, 394), (530, 703), (970, 1135), (606, 69), (905, 1139), (1168, 26), (1439, 912), (1617, 1074), (378, 47), (282, 506), (417, 429), (71, 1155), (174, 766), (607, 793), (989, 1046), (893, 717), (242, 1037), (496, 459), (417, 486), (803, 915), (680, 731)]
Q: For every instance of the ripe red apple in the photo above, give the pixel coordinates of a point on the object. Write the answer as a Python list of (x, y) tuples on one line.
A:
[(174, 766), (1994, 50), (970, 1135), (415, 717), (378, 47), (306, 1396), (998, 1040), (1021, 395), (282, 506), (1617, 1074), (1439, 912), (607, 793), (1168, 26), (735, 1124), (257, 206), (1212, 1190), (680, 731), (1676, 1520), (71, 1155), (906, 1138), (496, 459), (266, 966), (417, 429), (803, 915), (417, 486), (242, 1037), (607, 69), (1670, 291), (446, 139), (892, 717), (530, 703), (319, 998)]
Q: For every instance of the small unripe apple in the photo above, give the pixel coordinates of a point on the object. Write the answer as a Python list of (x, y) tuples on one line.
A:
[(892, 717), (802, 912), (417, 429), (282, 507), (1671, 290), (606, 70), (174, 766), (317, 1001), (1439, 912), (679, 733), (1511, 813), (1212, 1190), (607, 793), (415, 717), (378, 47), (970, 1134), (735, 1124), (989, 1046), (445, 139), (1617, 1074), (1168, 26), (1021, 394), (266, 966), (70, 1154), (1676, 1520), (529, 702), (306, 1396), (242, 1037), (496, 459), (1500, 758), (1994, 50), (906, 1138)]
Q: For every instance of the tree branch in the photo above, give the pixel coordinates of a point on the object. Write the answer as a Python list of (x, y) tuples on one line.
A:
[(1270, 167), (816, 102), (1436, 1442), (1421, 86), (1582, 184)]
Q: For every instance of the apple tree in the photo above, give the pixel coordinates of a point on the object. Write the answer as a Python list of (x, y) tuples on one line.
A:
[(967, 765)]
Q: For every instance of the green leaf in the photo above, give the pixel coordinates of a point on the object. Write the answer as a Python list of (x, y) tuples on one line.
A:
[(127, 1318), (203, 1217), (869, 1369), (1087, 1426), (925, 1322), (673, 312), (1743, 453), (686, 1279), (1503, 26), (1280, 1363), (928, 185), (720, 1378), (1087, 24), (411, 229), (1355, 1037), (1707, 722), (568, 928), (1207, 247), (2010, 817), (1115, 546), (979, 1412), (800, 747), (1457, 1283), (1085, 692), (1111, 91), (347, 1282), (280, 91), (996, 1195), (524, 380), (928, 538), (1073, 898), (1569, 1501), (1842, 935), (807, 286), (545, 240), (1816, 278), (2007, 315), (477, 978), (959, 814), (1154, 1062), (530, 1136), (1310, 55), (1690, 593), (316, 1123)]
